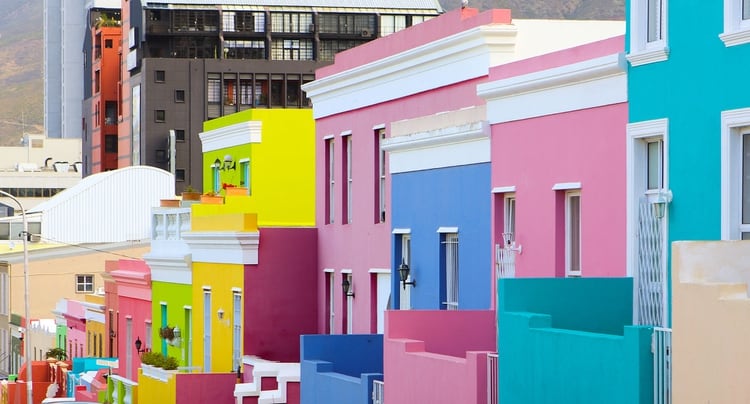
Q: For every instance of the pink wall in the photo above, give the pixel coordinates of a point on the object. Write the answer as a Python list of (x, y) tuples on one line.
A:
[(75, 318), (586, 146), (364, 244), (281, 294), (133, 285), (448, 348), (214, 388)]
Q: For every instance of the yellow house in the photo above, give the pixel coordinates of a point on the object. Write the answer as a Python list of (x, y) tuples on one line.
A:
[(96, 335)]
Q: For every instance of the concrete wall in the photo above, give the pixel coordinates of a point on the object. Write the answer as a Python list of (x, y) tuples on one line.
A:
[(329, 375), (217, 388), (280, 293), (566, 340), (148, 388), (425, 200), (710, 322), (447, 348)]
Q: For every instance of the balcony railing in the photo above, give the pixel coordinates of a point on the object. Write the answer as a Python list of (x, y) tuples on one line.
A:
[(378, 392)]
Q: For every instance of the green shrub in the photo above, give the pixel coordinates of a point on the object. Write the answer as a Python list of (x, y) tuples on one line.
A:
[(170, 363), (152, 358), (57, 353)]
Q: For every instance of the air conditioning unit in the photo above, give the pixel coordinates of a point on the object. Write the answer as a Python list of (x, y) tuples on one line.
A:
[(366, 33)]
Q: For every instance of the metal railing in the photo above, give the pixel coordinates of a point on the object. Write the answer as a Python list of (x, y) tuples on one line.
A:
[(661, 347), (493, 371), (378, 392)]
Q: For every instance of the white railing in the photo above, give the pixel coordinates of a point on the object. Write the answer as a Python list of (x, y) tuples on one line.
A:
[(493, 390), (661, 347), (378, 392)]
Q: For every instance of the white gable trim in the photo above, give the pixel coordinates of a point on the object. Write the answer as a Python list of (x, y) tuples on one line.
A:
[(224, 247), (232, 135), (460, 57), (587, 84)]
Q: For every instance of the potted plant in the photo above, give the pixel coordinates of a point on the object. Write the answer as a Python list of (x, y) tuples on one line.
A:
[(169, 203), (191, 194), (231, 189), (57, 353), (212, 198), (167, 333)]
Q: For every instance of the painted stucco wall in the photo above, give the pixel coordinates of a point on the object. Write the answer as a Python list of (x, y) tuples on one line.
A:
[(282, 176), (280, 294), (701, 78), (132, 282), (329, 375), (710, 322), (426, 200), (176, 296), (543, 336), (447, 348), (150, 388), (214, 388)]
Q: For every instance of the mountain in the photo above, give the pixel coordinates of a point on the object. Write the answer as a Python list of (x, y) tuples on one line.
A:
[(21, 61)]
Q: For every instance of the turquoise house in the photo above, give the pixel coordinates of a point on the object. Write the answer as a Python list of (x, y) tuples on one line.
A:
[(687, 137)]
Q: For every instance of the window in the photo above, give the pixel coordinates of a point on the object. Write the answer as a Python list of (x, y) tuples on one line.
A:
[(84, 283), (295, 23), (110, 113), (349, 312), (237, 329), (161, 155), (108, 43), (292, 49), (573, 233), (230, 89), (356, 24), (4, 294), (736, 22), (215, 169), (129, 352), (97, 81), (179, 135), (214, 88), (347, 186), (449, 291), (329, 180), (330, 288), (159, 76), (405, 292), (206, 330), (648, 38), (164, 323), (293, 90), (147, 338), (735, 179), (509, 216), (179, 174), (330, 47), (160, 115), (179, 95), (110, 143), (245, 175), (246, 89), (655, 164), (391, 23), (379, 176), (245, 49)]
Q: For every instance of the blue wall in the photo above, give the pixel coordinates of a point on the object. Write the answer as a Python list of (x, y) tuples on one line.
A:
[(340, 368), (459, 197), (549, 354)]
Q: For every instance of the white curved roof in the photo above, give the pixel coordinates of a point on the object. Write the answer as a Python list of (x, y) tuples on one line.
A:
[(112, 206)]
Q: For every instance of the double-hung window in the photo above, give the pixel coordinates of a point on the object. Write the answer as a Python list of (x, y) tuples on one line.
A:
[(347, 186), (379, 176), (237, 329), (736, 22), (573, 233), (648, 35), (735, 170), (330, 179), (449, 241), (84, 283)]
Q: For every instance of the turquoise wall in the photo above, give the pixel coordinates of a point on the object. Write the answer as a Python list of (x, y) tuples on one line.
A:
[(568, 340), (701, 78)]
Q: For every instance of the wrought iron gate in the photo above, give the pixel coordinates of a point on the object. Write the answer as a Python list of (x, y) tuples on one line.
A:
[(650, 273)]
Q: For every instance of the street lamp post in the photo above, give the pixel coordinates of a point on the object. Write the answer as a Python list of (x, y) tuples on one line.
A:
[(27, 336)]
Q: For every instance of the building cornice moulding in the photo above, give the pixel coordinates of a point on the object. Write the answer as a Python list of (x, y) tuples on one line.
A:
[(172, 269), (224, 247), (232, 135), (443, 136), (639, 58), (456, 58)]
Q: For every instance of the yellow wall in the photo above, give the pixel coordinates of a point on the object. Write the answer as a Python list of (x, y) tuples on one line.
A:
[(710, 322), (96, 330), (152, 391), (282, 165), (221, 278)]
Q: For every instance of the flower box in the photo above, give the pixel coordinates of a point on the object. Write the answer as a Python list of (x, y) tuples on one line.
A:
[(236, 191)]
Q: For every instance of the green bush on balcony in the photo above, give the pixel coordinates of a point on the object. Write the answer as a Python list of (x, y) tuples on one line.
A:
[(160, 361)]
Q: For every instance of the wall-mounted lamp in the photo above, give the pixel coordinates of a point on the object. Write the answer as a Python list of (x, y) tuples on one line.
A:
[(139, 345), (112, 334), (403, 272), (509, 243), (227, 164), (346, 286), (220, 313), (660, 202)]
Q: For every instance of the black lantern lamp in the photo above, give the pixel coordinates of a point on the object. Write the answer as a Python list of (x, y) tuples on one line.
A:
[(403, 271), (139, 345), (347, 287)]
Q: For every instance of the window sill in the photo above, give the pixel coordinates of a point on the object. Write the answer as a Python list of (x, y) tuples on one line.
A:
[(648, 56), (735, 38)]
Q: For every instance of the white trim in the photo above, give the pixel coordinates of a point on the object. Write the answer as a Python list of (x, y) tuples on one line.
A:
[(183, 307), (346, 133), (232, 135), (445, 147), (163, 303), (400, 230), (443, 229), (379, 126), (379, 271), (588, 84), (206, 288), (129, 317), (346, 271), (731, 171), (636, 132), (736, 30), (642, 51), (223, 247), (171, 269), (504, 190), (562, 186), (329, 270), (327, 137), (244, 160), (236, 290), (463, 56)]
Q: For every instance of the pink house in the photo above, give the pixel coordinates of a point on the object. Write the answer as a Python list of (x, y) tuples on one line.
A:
[(558, 162), (129, 313), (76, 319)]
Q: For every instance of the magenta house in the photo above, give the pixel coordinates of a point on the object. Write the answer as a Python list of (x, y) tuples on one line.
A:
[(558, 162)]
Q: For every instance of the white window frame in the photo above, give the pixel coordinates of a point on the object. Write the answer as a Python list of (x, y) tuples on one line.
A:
[(245, 174), (331, 279), (736, 29), (405, 293), (216, 175), (147, 338), (331, 151), (570, 249), (381, 176), (643, 51), (349, 329), (349, 176), (509, 215), (236, 329), (451, 244), (128, 351), (734, 124), (206, 330), (81, 283)]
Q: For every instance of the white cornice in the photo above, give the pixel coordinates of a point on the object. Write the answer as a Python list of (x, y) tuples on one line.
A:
[(649, 56), (224, 247), (735, 38), (456, 134), (232, 135), (170, 269), (459, 57), (576, 86)]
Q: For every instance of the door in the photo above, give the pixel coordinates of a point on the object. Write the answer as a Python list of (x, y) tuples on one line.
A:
[(384, 296)]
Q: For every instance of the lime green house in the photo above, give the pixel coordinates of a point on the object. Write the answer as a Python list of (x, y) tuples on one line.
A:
[(277, 167)]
